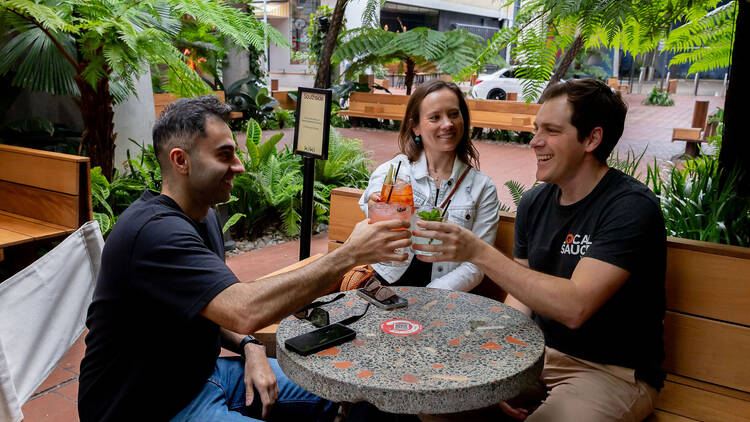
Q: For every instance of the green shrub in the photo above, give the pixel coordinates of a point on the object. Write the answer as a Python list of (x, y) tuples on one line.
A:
[(697, 204), (659, 98)]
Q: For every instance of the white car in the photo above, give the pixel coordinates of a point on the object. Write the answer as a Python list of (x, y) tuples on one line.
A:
[(497, 85)]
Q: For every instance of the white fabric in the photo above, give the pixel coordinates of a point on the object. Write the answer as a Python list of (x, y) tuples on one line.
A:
[(42, 312), (474, 206)]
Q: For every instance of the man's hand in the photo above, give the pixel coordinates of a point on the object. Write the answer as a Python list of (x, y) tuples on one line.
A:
[(459, 244), (514, 412), (259, 376), (370, 243)]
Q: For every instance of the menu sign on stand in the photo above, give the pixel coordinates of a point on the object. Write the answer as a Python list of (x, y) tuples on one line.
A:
[(311, 134)]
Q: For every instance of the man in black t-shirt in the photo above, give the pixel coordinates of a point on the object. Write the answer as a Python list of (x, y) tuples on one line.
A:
[(591, 245), (165, 301)]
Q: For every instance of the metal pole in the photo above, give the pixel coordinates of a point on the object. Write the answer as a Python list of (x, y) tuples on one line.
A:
[(695, 92), (265, 46), (308, 184), (640, 78), (724, 89)]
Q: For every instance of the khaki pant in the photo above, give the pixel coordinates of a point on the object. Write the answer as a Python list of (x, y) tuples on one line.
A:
[(577, 391), (583, 391)]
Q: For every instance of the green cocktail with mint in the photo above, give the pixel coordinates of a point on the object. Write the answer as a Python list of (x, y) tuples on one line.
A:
[(433, 214)]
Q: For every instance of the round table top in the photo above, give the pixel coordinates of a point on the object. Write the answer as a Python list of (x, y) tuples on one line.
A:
[(445, 352)]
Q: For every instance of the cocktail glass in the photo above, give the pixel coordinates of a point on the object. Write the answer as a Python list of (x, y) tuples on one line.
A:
[(400, 206), (418, 240)]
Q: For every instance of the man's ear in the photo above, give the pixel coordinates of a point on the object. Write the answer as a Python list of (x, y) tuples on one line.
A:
[(179, 160), (594, 139)]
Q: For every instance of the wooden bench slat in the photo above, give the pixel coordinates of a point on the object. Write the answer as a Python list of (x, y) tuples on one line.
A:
[(40, 204), (700, 404), (33, 230), (11, 238), (345, 214), (51, 171), (719, 389), (688, 290), (707, 350), (662, 416), (688, 135)]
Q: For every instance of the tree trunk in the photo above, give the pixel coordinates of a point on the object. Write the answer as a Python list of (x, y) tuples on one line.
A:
[(567, 59), (98, 120), (735, 150), (409, 76), (323, 75)]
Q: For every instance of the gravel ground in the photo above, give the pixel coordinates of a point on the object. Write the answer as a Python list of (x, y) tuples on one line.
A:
[(271, 236)]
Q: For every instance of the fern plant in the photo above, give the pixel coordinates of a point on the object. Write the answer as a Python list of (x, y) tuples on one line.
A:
[(94, 51), (449, 51), (706, 41)]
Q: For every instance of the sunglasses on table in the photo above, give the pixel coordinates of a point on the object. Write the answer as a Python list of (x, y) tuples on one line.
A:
[(319, 317)]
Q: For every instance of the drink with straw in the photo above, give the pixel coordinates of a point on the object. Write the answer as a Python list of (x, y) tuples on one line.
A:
[(396, 203)]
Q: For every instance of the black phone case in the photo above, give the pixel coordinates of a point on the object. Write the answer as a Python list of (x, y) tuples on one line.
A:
[(393, 303), (295, 343)]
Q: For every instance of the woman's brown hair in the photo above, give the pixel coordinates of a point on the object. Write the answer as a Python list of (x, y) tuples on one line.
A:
[(465, 149)]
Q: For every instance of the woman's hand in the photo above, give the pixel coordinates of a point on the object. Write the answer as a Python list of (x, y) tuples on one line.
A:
[(375, 197)]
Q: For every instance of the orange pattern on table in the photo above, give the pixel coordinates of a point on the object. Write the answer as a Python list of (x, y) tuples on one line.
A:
[(450, 305), (519, 354), (475, 300), (331, 351), (437, 365), (467, 356), (491, 345), (453, 295), (436, 323), (358, 343), (349, 303), (455, 342), (496, 309), (411, 379), (343, 365), (412, 299), (404, 289), (365, 374), (515, 341)]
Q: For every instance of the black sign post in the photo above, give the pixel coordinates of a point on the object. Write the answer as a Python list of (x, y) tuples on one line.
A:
[(311, 131)]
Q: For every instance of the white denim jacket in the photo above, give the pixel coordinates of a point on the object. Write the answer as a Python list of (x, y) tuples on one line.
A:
[(474, 206)]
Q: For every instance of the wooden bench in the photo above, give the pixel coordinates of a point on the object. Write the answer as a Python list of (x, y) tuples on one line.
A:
[(706, 328), (615, 84), (164, 99), (506, 115), (700, 132), (43, 195)]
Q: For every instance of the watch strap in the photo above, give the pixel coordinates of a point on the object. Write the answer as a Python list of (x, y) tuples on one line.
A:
[(246, 340)]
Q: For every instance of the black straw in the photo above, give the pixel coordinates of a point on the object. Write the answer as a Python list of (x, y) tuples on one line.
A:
[(393, 183)]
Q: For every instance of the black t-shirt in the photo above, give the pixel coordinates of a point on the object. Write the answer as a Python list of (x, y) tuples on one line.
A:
[(148, 352), (620, 223)]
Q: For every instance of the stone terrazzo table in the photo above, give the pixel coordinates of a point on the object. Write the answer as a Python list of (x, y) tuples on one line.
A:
[(451, 352)]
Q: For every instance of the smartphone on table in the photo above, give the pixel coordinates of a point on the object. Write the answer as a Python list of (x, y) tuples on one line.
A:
[(320, 339)]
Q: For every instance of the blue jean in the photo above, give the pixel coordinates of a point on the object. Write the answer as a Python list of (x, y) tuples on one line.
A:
[(223, 398)]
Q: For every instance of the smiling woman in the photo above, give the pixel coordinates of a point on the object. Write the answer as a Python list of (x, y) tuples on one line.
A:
[(441, 163)]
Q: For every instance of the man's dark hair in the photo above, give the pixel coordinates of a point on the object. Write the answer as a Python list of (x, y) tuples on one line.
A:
[(184, 121), (594, 105)]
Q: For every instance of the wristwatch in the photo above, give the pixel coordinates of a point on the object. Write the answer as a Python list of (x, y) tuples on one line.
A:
[(248, 339)]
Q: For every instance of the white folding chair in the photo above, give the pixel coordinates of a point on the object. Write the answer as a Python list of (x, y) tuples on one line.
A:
[(42, 312)]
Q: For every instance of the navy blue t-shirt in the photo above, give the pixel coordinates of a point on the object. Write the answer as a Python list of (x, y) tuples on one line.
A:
[(620, 223), (148, 351)]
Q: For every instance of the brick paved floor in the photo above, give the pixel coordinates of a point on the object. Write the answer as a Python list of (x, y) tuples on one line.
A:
[(646, 126)]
